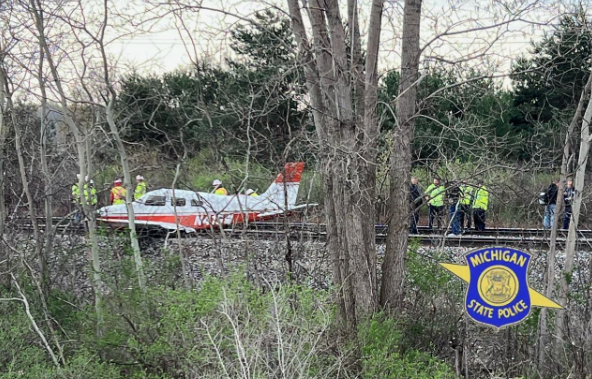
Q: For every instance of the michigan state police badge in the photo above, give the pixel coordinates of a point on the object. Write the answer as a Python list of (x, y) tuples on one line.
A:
[(498, 293)]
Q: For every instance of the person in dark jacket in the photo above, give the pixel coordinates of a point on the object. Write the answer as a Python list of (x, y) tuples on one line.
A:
[(415, 201), (568, 196), (551, 197), (454, 194)]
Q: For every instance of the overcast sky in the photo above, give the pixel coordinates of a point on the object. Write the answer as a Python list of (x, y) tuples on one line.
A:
[(163, 49), (152, 38)]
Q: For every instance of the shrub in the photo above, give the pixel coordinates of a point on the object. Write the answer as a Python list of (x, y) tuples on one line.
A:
[(382, 356)]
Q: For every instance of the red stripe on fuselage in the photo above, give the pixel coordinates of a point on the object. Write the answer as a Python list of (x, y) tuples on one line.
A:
[(195, 221)]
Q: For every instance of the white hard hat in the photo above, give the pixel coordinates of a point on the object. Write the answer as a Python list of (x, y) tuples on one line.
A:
[(86, 178), (139, 177), (216, 182), (92, 181), (78, 176), (250, 191), (117, 181)]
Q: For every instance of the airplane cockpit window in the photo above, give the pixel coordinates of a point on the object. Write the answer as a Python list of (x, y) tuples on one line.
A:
[(155, 201), (196, 203), (179, 202)]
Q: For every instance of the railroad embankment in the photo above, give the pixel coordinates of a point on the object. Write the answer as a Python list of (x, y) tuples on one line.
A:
[(269, 263)]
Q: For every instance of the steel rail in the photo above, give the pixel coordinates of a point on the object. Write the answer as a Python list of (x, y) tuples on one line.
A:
[(316, 232)]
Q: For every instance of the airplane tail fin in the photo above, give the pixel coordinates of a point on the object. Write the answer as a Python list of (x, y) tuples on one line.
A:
[(285, 187)]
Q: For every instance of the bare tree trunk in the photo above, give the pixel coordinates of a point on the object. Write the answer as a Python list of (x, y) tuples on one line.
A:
[(573, 226), (393, 268), (110, 115), (4, 258), (36, 10), (39, 253), (49, 231), (545, 363), (127, 182), (343, 105), (186, 277), (579, 182)]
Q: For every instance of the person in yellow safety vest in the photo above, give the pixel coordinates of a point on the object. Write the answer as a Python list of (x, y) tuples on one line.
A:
[(140, 187), (434, 196), (76, 191), (250, 192), (218, 189), (118, 193), (90, 197), (466, 203), (481, 201), (90, 192)]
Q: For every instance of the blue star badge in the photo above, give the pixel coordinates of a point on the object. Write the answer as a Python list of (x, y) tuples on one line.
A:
[(498, 293)]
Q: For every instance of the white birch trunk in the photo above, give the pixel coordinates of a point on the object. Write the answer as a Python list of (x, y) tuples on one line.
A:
[(81, 154), (573, 225)]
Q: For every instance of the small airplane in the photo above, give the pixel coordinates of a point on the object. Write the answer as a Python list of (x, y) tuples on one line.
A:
[(190, 211)]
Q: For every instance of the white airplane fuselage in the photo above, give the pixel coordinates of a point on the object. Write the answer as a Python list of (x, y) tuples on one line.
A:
[(191, 211)]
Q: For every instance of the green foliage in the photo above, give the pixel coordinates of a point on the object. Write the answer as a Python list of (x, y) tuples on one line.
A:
[(81, 366), (548, 82), (226, 327), (460, 116), (250, 106), (382, 358), (429, 326)]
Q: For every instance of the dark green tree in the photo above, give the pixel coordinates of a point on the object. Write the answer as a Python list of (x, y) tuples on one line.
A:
[(456, 116), (548, 82), (267, 82), (249, 108)]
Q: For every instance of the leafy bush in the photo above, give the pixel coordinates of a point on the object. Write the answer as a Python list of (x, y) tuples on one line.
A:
[(382, 356), (226, 328)]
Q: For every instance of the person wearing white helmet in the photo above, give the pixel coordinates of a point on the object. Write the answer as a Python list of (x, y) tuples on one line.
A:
[(218, 189), (140, 187), (90, 196), (250, 192)]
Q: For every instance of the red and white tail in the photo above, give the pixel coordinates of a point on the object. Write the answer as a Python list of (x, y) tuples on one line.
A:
[(286, 183)]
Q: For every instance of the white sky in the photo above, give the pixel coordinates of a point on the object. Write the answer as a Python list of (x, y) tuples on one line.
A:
[(148, 39), (164, 50)]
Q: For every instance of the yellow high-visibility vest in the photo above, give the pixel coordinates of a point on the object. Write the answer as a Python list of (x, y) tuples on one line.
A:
[(140, 190), (75, 193), (90, 197), (220, 191), (436, 194), (481, 198), (468, 193), (118, 195)]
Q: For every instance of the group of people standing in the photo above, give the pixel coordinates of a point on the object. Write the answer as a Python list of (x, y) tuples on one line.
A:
[(118, 192), (549, 199), (88, 195), (466, 203)]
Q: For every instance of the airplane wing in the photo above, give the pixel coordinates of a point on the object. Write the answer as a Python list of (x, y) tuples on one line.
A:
[(164, 225)]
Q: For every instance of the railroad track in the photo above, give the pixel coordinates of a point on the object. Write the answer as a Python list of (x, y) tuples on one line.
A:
[(523, 237)]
